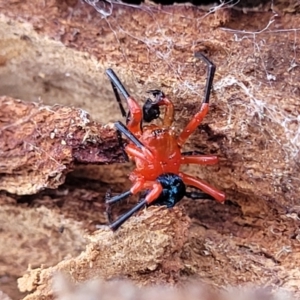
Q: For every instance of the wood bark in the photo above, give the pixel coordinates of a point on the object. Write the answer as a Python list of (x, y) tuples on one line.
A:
[(55, 53), (40, 144)]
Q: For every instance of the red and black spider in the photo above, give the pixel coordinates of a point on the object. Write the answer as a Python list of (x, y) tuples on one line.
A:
[(156, 150)]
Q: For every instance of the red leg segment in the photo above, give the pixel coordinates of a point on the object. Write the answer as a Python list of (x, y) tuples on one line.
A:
[(169, 113), (143, 153), (200, 159), (156, 190), (193, 124), (137, 186), (136, 115), (205, 187), (134, 123)]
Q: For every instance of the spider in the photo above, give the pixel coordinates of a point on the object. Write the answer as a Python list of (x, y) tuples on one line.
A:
[(156, 150)]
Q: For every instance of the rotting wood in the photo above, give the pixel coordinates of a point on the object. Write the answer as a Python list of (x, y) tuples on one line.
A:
[(252, 125), (148, 249), (40, 144)]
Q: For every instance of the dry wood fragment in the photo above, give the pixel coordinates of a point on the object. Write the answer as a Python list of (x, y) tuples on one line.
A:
[(40, 144), (148, 249)]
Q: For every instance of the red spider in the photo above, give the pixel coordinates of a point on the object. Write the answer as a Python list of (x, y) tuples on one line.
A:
[(156, 150)]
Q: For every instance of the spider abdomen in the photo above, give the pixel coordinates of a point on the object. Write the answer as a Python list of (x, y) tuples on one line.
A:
[(173, 189)]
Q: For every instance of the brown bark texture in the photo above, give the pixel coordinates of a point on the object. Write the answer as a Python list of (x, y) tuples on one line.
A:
[(40, 144), (53, 56)]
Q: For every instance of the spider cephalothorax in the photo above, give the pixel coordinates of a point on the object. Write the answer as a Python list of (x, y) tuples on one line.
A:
[(156, 150)]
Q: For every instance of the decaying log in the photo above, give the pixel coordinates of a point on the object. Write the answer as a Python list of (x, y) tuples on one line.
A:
[(57, 52), (148, 250), (252, 125), (40, 144)]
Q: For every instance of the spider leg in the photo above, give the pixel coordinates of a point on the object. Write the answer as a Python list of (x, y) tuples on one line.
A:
[(151, 196), (119, 137), (116, 84), (108, 207), (203, 186), (108, 213), (117, 198), (154, 193), (137, 187), (196, 195), (199, 159), (210, 75), (135, 117), (123, 129), (198, 117), (117, 223)]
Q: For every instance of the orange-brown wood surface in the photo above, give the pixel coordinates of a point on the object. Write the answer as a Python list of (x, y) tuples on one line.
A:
[(56, 141)]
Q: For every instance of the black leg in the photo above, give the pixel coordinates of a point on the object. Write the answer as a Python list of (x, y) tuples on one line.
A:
[(110, 200), (108, 207), (120, 140), (117, 85), (210, 75), (123, 129), (116, 224), (198, 195), (108, 213)]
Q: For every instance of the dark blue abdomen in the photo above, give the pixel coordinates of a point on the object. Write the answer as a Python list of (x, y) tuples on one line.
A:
[(173, 189)]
